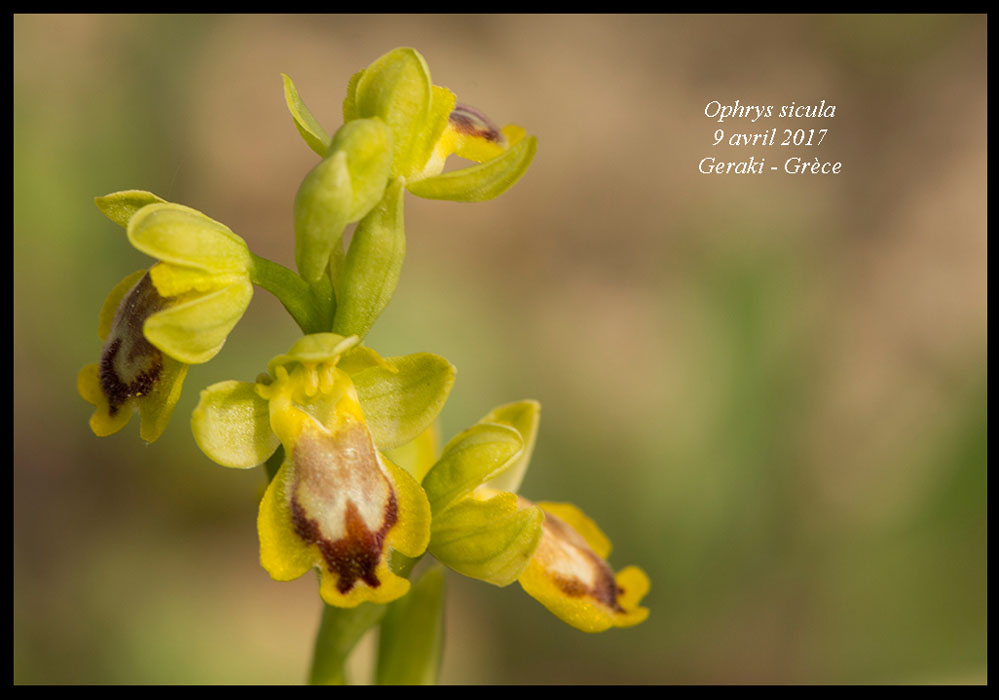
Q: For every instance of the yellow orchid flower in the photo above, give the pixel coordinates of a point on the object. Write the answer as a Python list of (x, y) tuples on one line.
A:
[(483, 529), (156, 322), (337, 503), (398, 127)]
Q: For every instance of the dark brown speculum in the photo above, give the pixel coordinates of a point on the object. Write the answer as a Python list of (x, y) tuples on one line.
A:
[(342, 502), (130, 366)]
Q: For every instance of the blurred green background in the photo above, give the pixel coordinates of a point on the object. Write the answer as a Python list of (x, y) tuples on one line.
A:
[(769, 391)]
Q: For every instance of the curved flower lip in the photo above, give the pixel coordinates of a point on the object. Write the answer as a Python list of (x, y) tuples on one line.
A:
[(503, 156), (570, 576), (132, 373)]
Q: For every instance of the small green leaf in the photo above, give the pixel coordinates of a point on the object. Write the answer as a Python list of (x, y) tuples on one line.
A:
[(122, 206), (479, 182), (472, 458), (308, 126), (411, 638), (371, 270), (491, 540), (400, 405), (231, 425)]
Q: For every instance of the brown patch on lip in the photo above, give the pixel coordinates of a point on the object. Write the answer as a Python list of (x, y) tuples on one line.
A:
[(322, 470), (353, 557), (604, 589), (470, 121), (130, 365)]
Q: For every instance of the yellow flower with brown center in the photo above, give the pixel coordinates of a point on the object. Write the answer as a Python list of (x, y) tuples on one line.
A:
[(483, 529), (336, 503), (156, 322)]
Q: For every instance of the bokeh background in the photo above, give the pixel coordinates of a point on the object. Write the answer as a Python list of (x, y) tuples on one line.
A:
[(770, 391)]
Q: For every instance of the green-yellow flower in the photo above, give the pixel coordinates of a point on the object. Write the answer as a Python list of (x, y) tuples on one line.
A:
[(336, 503), (156, 322), (398, 127), (428, 125), (482, 528)]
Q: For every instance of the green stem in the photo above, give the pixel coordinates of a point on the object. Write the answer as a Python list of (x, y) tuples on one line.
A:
[(339, 632), (340, 629), (307, 304)]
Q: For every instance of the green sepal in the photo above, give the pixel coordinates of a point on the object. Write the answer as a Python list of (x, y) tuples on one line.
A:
[(122, 206), (411, 637), (479, 182), (308, 126), (368, 145), (371, 270), (231, 425), (491, 540), (342, 189), (183, 236), (472, 458), (396, 88), (194, 331), (417, 456), (523, 416), (322, 207), (400, 405), (313, 349), (350, 101)]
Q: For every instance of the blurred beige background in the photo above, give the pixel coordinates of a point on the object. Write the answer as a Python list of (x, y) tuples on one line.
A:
[(769, 391)]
